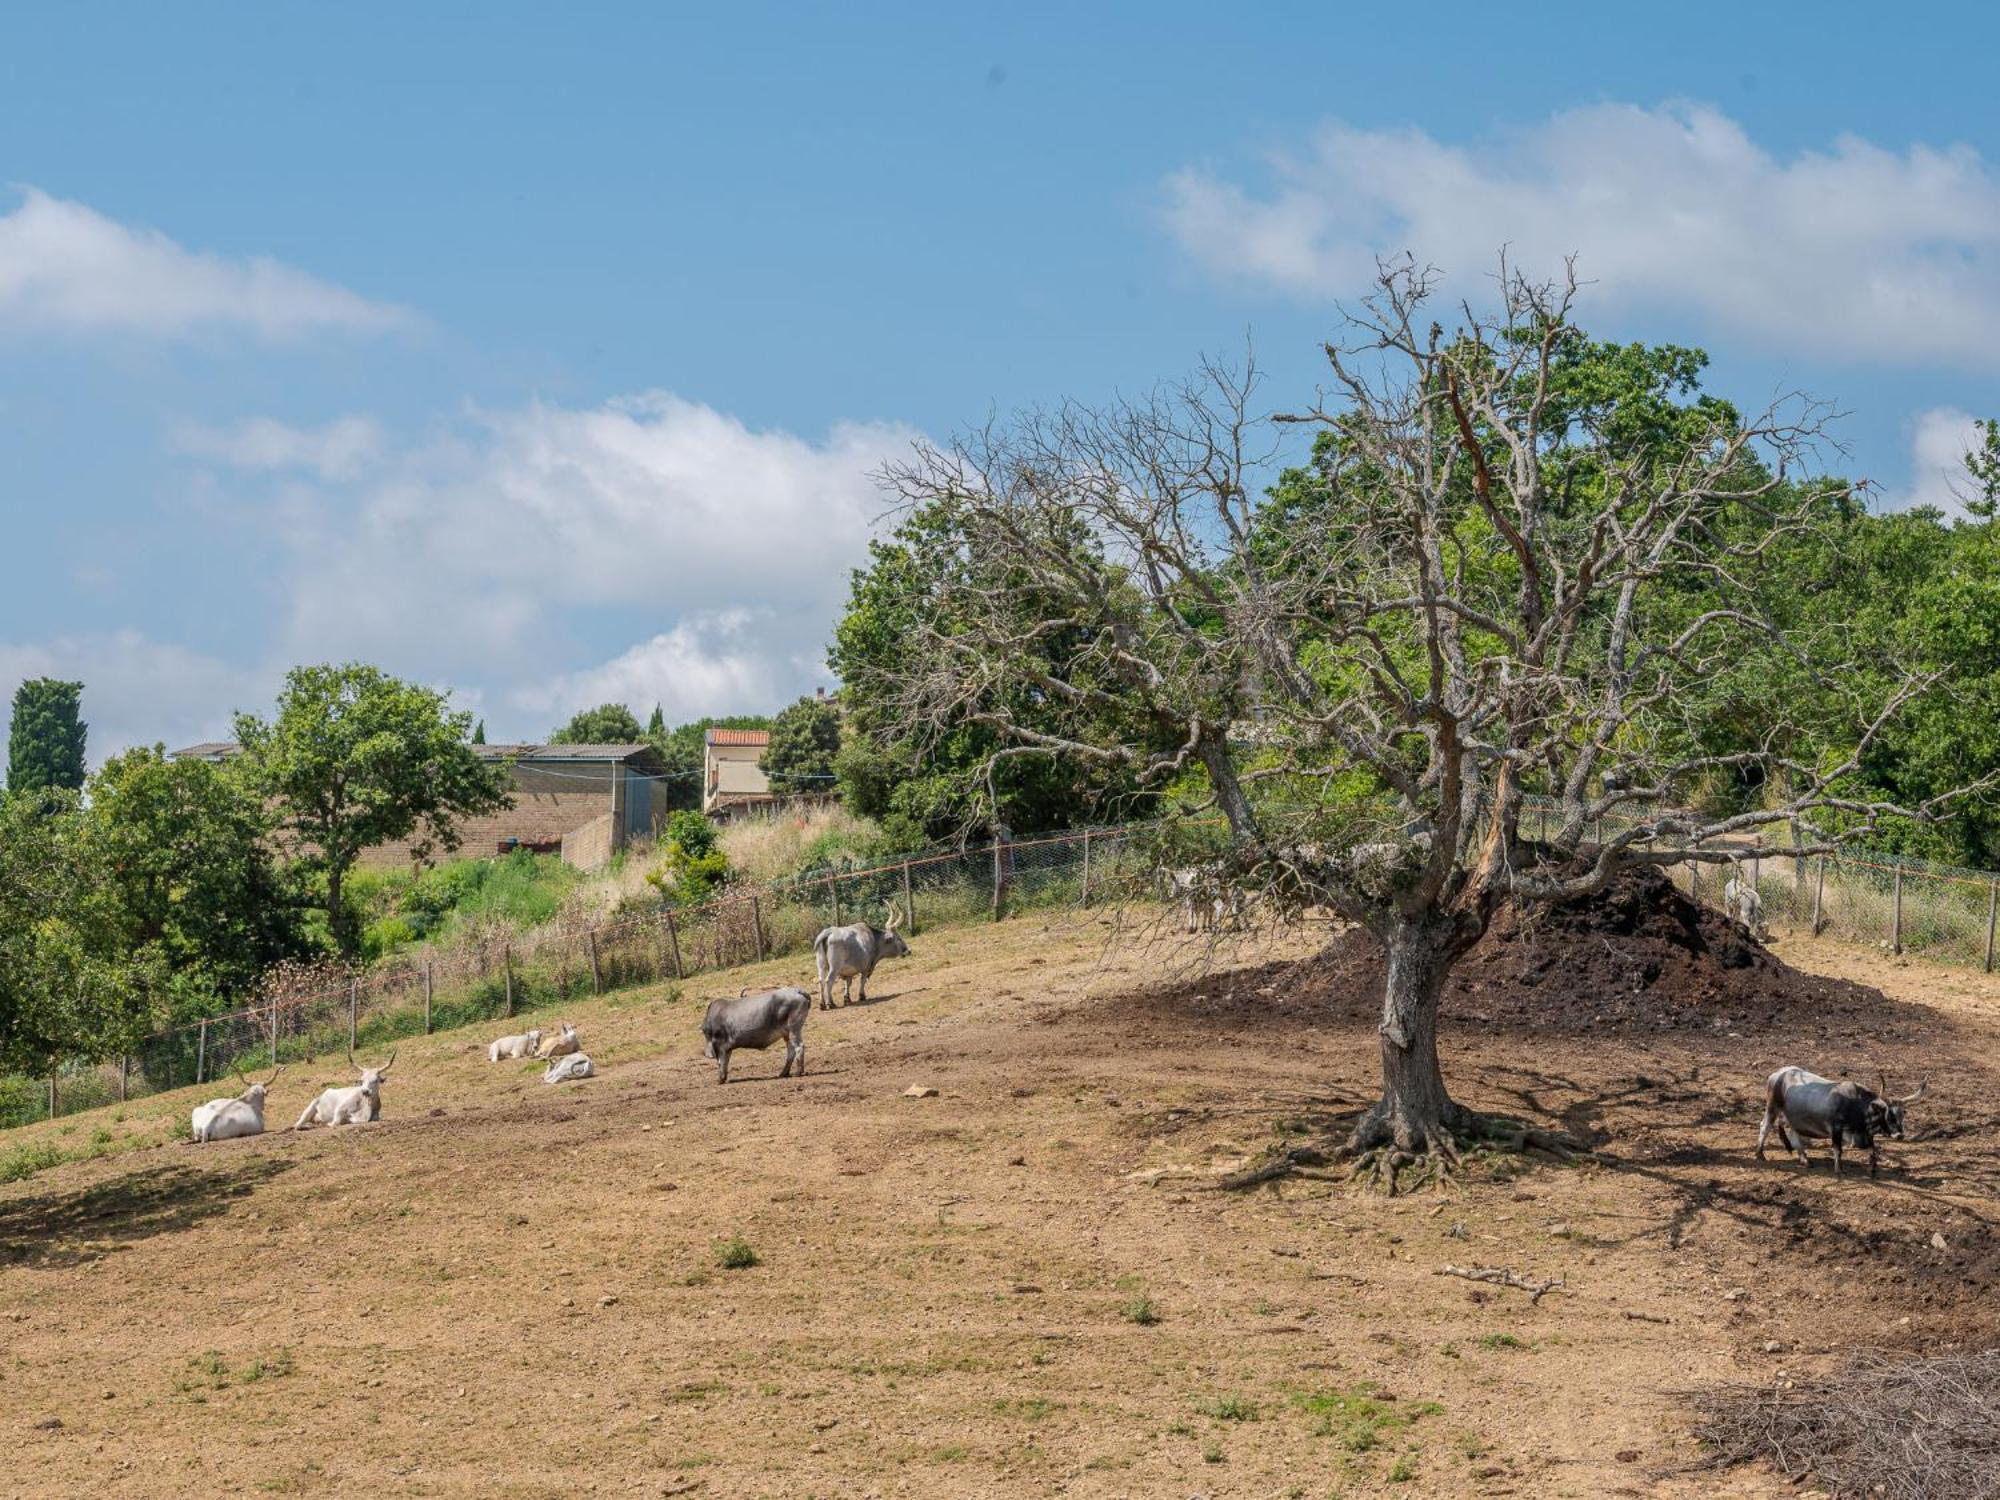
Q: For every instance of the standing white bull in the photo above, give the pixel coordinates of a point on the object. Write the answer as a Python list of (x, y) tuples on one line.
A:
[(524, 1045), (356, 1105), (851, 953), (227, 1119), (562, 1045)]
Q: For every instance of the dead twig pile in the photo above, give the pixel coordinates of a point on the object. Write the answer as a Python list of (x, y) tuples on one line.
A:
[(1902, 1429)]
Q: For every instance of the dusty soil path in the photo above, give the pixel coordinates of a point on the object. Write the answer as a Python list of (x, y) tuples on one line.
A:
[(505, 1289)]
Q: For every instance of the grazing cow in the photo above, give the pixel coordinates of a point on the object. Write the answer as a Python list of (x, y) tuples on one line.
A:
[(1743, 906), (756, 1021), (356, 1105), (563, 1044), (851, 953), (1199, 912), (226, 1119), (571, 1065), (1802, 1104), (524, 1045)]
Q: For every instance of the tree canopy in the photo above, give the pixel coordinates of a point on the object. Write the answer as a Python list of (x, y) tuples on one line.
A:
[(805, 739), (606, 724), (45, 741)]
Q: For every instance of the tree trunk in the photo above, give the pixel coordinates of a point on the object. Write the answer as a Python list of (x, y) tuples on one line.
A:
[(1414, 1114)]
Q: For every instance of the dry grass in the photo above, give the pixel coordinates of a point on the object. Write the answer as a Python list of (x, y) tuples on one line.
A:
[(1908, 1429), (772, 848)]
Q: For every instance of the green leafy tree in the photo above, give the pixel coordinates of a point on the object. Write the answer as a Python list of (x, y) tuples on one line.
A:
[(656, 727), (197, 892), (45, 742), (479, 733), (356, 758), (1982, 464), (606, 724), (70, 987), (805, 739), (693, 868)]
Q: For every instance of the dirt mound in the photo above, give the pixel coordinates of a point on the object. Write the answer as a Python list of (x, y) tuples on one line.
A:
[(1638, 957)]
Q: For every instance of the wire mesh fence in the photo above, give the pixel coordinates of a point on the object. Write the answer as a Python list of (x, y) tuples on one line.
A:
[(310, 1012), (1906, 905)]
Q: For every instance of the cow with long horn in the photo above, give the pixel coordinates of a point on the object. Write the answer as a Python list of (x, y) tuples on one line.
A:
[(1801, 1104), (227, 1119), (851, 953), (355, 1105)]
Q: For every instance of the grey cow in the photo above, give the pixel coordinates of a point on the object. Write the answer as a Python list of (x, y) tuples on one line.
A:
[(1802, 1104), (851, 953), (756, 1021)]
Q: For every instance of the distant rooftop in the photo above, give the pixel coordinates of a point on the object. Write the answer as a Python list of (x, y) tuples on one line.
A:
[(739, 736), (224, 749)]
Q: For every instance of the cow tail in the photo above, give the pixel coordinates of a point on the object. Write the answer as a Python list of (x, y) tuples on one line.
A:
[(819, 956)]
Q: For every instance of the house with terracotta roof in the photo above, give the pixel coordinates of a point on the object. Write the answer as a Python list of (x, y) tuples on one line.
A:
[(731, 778)]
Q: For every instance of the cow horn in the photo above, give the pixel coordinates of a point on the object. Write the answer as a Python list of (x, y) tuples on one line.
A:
[(392, 1057), (1922, 1089), (1882, 1083), (274, 1075)]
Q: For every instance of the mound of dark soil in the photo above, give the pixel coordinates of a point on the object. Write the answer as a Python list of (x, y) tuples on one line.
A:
[(1640, 956)]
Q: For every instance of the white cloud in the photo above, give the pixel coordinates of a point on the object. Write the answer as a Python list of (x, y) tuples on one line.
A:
[(138, 691), (65, 266), (1939, 441), (729, 661), (1853, 251), (341, 449)]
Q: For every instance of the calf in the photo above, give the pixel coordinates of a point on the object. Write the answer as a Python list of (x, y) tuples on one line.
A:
[(355, 1105), (851, 953), (524, 1045), (756, 1021), (1802, 1104)]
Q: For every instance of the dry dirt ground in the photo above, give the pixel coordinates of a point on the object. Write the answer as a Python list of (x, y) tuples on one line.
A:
[(506, 1289)]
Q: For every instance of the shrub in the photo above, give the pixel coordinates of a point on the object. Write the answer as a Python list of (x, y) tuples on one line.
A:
[(735, 1254)]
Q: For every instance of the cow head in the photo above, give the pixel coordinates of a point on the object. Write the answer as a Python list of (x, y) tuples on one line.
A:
[(892, 944), (371, 1078), (253, 1093), (1885, 1114)]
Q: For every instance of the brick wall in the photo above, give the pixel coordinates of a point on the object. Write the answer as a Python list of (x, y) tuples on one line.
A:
[(589, 847), (535, 816)]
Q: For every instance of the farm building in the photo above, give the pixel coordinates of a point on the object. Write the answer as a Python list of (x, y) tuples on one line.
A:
[(584, 801), (731, 778)]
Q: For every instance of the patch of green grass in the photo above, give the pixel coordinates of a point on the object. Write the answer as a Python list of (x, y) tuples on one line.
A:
[(953, 1454), (1211, 1453), (1232, 1407), (1140, 1310), (1358, 1419), (26, 1161), (1471, 1445), (1502, 1341), (1026, 1408), (735, 1254), (1404, 1468)]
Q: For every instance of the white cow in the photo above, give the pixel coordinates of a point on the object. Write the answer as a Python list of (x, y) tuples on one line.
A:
[(227, 1119), (1743, 906), (571, 1066), (524, 1045), (355, 1105), (851, 953), (563, 1044)]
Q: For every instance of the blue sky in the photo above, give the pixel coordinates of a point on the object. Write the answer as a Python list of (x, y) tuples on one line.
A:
[(544, 352)]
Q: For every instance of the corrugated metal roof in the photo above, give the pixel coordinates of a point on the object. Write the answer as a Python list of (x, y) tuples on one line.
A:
[(221, 749), (207, 750), (739, 736)]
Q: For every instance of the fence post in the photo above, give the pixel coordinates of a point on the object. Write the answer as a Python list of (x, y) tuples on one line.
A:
[(274, 1031), (1819, 896), (353, 1012), (757, 924), (674, 942), (833, 896), (1896, 915), (1085, 901), (997, 897), (715, 931), (201, 1055), (1992, 911), (124, 1075), (507, 963), (427, 997), (596, 973), (909, 901), (52, 1091)]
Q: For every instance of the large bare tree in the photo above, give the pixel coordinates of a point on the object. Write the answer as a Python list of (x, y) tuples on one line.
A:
[(1505, 575)]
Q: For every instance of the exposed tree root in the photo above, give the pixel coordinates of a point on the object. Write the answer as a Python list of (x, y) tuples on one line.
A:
[(1397, 1158)]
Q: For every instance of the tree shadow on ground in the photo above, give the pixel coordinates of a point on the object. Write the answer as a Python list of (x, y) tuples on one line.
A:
[(58, 1230)]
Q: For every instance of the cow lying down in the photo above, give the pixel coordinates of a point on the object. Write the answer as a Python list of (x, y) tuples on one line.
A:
[(757, 1021), (570, 1066)]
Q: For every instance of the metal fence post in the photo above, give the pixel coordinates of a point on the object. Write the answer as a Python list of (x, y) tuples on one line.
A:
[(1992, 911), (674, 942), (996, 880), (909, 901), (1896, 914), (507, 963), (596, 973), (1819, 897), (757, 924), (427, 997), (353, 1012), (1084, 900), (201, 1055)]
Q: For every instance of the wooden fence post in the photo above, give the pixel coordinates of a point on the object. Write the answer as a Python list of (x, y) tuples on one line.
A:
[(353, 1012), (427, 997), (124, 1076), (757, 924), (507, 963), (674, 942), (1085, 900), (1896, 914), (201, 1055), (1819, 897), (274, 1031), (715, 931), (1992, 911), (909, 901), (996, 880), (596, 973), (52, 1091)]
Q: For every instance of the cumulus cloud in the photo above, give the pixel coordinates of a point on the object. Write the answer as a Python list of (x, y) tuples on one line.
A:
[(65, 266), (138, 691), (500, 552), (1939, 441), (341, 449), (1853, 251)]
